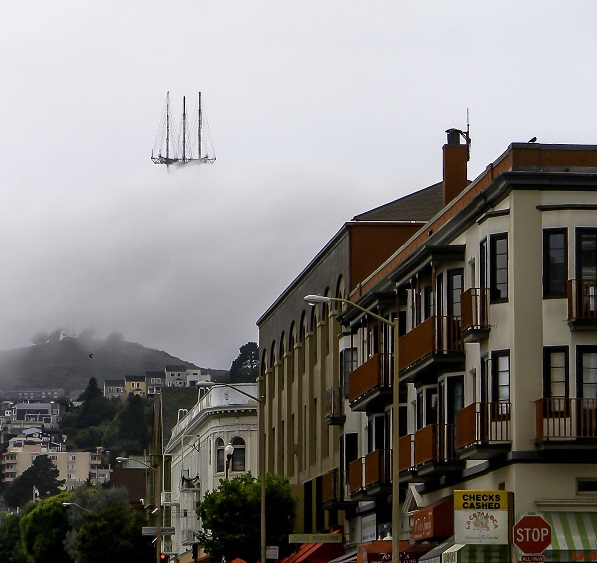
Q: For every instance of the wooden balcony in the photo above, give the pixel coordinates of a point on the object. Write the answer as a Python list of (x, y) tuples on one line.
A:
[(475, 314), (406, 454), (431, 346), (566, 423), (435, 451), (332, 491), (334, 406), (483, 430), (371, 383), (375, 473), (582, 304)]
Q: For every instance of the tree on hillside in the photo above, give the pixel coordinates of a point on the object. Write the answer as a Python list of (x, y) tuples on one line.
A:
[(245, 368), (132, 423), (238, 500), (42, 475)]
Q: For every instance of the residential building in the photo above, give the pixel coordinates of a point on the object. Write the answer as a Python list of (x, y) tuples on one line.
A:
[(34, 395), (311, 433), (497, 353), (114, 389), (196, 452), (135, 385)]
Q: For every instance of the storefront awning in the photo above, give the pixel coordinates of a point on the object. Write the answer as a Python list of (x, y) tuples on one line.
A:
[(316, 553), (412, 552), (460, 553), (435, 555), (346, 558), (573, 536)]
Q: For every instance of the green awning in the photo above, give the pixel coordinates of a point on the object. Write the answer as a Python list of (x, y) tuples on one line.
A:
[(460, 553), (573, 536)]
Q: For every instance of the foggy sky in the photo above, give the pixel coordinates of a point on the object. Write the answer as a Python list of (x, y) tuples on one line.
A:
[(319, 110)]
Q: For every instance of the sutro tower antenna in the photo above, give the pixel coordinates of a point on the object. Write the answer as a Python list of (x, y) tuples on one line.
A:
[(181, 150)]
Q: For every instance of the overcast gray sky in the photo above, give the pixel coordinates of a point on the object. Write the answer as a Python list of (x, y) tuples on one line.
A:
[(319, 110)]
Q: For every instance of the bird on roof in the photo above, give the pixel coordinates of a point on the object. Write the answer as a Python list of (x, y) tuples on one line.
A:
[(91, 355), (533, 140)]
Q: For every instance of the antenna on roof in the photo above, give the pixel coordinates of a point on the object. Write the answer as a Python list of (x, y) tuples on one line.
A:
[(467, 137)]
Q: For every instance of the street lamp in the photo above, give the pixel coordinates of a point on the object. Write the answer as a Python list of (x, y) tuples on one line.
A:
[(229, 450), (156, 511), (314, 300), (261, 432), (77, 505)]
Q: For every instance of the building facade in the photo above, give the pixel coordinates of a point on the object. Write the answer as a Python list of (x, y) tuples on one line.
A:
[(494, 300)]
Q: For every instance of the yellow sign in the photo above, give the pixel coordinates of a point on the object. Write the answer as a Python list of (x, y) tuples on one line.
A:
[(480, 500), (315, 538)]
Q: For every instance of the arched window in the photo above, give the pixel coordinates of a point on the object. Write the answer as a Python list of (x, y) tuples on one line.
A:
[(220, 465), (238, 456)]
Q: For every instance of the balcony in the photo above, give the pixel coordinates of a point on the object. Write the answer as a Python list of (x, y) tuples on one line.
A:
[(433, 345), (371, 476), (334, 406), (435, 452), (332, 491), (563, 423), (582, 304), (406, 455), (483, 430), (371, 383), (475, 314)]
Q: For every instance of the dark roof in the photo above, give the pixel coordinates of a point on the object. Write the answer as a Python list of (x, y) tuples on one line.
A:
[(134, 378), (419, 206), (154, 373), (113, 382), (176, 368)]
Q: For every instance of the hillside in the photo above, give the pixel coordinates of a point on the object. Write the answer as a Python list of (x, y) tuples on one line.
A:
[(71, 362)]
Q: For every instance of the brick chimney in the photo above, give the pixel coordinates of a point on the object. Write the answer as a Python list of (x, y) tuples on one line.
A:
[(455, 159)]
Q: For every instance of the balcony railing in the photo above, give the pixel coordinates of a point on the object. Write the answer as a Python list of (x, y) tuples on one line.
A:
[(475, 314), (355, 475), (375, 373), (373, 470), (483, 424), (434, 335), (406, 451), (334, 406), (562, 418), (582, 300), (378, 468), (331, 487), (434, 444)]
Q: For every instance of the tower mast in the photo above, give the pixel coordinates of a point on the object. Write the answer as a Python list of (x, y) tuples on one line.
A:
[(167, 126), (184, 129), (199, 125)]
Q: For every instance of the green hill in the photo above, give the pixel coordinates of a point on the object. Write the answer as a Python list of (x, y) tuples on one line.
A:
[(70, 363)]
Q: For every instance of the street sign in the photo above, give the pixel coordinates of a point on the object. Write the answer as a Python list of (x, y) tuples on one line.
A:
[(315, 538), (532, 534), (532, 559), (153, 531), (272, 552)]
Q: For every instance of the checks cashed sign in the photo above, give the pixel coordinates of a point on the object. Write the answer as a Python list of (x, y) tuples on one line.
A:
[(482, 517)]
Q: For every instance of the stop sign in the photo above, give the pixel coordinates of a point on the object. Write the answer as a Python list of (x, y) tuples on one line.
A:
[(532, 534)]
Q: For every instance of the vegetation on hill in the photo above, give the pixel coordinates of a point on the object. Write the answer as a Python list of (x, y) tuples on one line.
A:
[(70, 362)]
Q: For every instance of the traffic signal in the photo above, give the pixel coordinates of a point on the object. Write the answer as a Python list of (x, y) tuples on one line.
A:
[(163, 557)]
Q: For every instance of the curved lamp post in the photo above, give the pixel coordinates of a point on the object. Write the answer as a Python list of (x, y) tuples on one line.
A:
[(77, 505), (314, 300)]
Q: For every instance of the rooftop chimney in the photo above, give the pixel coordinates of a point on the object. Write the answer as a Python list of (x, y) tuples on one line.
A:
[(455, 158)]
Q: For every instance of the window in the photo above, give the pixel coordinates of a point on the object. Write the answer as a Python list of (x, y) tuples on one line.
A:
[(498, 274), (348, 359), (555, 377), (238, 456), (587, 372), (454, 292), (555, 262), (501, 382), (586, 254), (220, 465)]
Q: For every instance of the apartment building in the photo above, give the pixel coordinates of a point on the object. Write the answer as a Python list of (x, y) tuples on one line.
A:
[(196, 454), (494, 300), (311, 433)]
